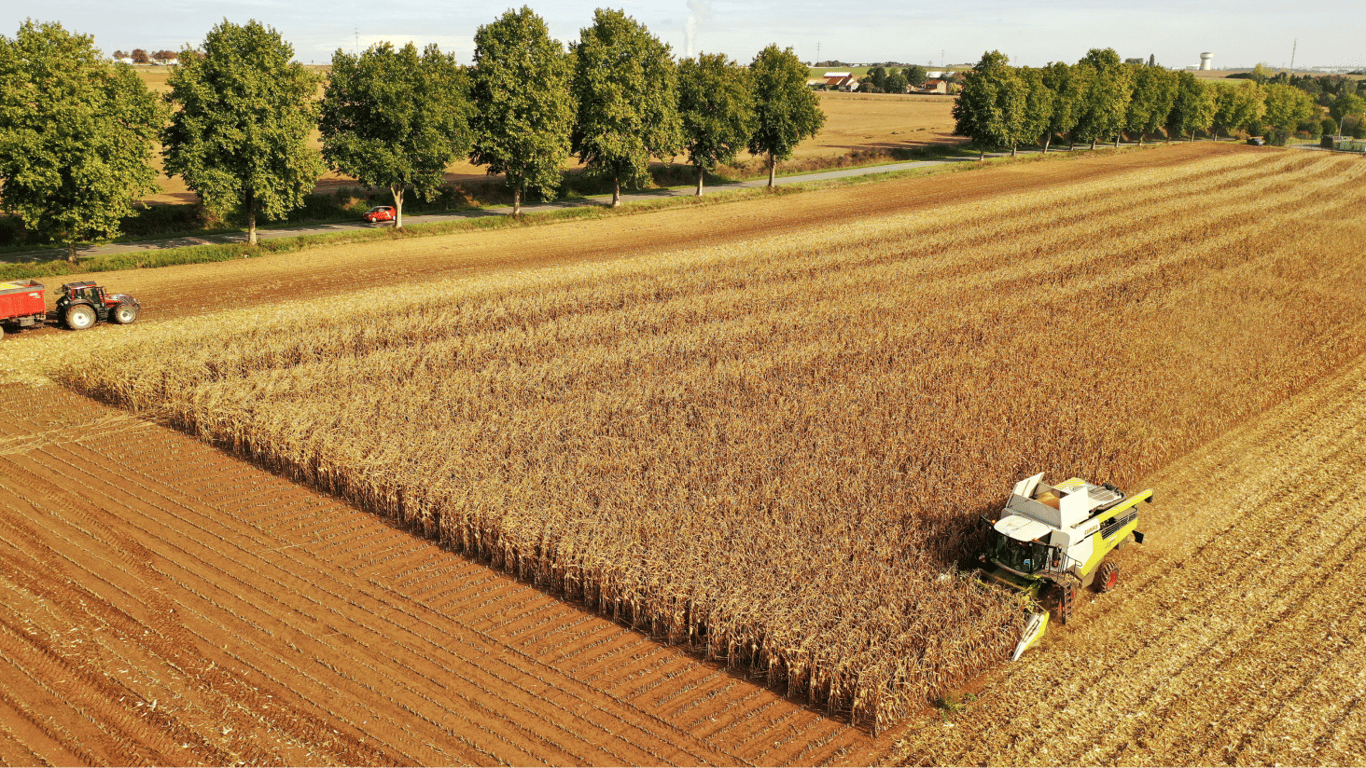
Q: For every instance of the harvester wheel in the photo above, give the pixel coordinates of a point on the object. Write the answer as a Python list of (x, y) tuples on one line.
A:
[(80, 317), (124, 313), (1108, 576)]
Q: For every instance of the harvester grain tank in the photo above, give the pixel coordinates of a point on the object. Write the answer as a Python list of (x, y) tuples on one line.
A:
[(1051, 541)]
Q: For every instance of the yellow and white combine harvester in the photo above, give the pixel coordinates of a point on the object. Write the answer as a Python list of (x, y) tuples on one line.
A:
[(1051, 541)]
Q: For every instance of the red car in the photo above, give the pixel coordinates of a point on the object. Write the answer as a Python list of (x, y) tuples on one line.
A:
[(380, 213)]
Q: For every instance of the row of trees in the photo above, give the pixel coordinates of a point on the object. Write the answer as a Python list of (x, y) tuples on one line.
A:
[(75, 156), (1102, 98), (895, 80), (140, 56)]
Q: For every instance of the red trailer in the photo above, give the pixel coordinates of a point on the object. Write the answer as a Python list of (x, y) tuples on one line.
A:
[(21, 304)]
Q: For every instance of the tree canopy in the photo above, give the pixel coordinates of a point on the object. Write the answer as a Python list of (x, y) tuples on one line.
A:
[(76, 135), (1104, 105), (1237, 106), (786, 111), (392, 118), (240, 134), (716, 104), (524, 114), (1068, 85), (1286, 107), (1193, 108), (626, 92), (1150, 101), (990, 108), (1039, 105)]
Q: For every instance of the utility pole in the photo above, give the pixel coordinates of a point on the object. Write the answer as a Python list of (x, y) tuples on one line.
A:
[(1294, 46), (357, 49), (818, 53)]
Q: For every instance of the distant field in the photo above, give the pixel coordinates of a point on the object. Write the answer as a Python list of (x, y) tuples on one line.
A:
[(853, 123)]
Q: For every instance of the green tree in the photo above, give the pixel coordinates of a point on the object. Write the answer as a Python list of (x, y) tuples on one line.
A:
[(915, 75), (239, 133), (1347, 104), (1194, 107), (786, 111), (1286, 107), (76, 134), (1069, 85), (1104, 107), (626, 86), (1154, 92), (716, 104), (524, 111), (394, 118), (990, 109), (1237, 106), (1039, 102), (877, 77)]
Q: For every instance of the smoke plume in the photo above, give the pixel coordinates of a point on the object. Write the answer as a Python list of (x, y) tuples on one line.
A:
[(698, 12)]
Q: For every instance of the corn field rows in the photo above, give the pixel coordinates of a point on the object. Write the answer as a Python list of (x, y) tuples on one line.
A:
[(775, 455)]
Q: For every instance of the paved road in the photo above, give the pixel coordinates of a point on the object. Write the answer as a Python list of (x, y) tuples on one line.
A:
[(409, 220)]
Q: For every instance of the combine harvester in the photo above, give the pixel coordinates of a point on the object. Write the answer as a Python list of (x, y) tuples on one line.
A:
[(1054, 539), (80, 306)]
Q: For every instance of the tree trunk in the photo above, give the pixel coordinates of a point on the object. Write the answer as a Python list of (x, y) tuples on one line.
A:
[(71, 252), (1192, 135), (1047, 139), (397, 191), (982, 154), (772, 169), (1093, 142), (517, 198), (1012, 148), (700, 174), (1116, 141), (251, 218), (616, 191)]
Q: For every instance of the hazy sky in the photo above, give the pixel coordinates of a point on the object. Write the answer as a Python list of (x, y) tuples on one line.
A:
[(1240, 34)]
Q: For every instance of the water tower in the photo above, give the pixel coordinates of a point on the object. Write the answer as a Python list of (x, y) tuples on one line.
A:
[(1206, 61)]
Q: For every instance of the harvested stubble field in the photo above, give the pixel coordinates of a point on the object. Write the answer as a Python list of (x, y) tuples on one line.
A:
[(772, 452)]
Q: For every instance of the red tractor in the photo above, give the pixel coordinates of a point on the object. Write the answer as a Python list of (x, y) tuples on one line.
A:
[(80, 306)]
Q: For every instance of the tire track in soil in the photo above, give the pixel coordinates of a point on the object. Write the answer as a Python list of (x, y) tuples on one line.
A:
[(210, 576)]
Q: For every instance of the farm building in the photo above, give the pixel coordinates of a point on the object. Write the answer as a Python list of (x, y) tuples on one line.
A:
[(839, 81)]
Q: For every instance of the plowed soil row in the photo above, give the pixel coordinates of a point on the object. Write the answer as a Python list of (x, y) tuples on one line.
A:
[(166, 603)]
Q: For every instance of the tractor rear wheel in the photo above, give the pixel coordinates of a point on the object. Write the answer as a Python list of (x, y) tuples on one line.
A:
[(80, 317), (124, 314), (1108, 576)]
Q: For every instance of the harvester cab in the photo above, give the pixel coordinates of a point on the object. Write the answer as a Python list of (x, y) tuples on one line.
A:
[(1050, 541), (82, 304)]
